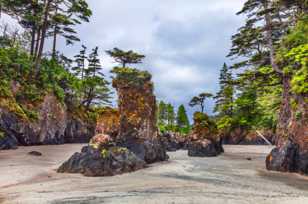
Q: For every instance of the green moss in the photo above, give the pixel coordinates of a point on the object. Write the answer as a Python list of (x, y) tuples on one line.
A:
[(104, 153), (2, 135)]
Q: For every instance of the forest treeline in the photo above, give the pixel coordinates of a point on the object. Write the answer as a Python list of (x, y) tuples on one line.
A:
[(269, 80)]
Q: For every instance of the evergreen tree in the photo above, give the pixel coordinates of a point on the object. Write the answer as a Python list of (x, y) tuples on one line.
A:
[(224, 98), (170, 117), (125, 57), (182, 120), (80, 60), (95, 87), (200, 100)]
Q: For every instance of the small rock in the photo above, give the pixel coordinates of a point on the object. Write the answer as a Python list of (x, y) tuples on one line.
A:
[(248, 158), (35, 153)]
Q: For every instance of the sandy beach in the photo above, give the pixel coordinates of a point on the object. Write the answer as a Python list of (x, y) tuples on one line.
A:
[(227, 179)]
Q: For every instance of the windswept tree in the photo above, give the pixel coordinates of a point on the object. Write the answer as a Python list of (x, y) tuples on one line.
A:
[(125, 57), (200, 100)]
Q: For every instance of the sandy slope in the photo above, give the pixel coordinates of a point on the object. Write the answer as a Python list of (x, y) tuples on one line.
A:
[(227, 179)]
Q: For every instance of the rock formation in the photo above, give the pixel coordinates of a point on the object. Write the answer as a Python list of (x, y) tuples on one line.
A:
[(137, 108), (204, 140), (44, 122), (132, 141), (291, 153), (240, 136), (102, 158)]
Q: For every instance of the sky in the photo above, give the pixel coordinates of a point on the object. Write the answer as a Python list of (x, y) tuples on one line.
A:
[(185, 42)]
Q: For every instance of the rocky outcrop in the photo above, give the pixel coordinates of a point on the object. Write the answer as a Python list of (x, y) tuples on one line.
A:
[(108, 121), (47, 128), (102, 162), (291, 154), (174, 141), (78, 130), (204, 140), (204, 148), (137, 109), (240, 136)]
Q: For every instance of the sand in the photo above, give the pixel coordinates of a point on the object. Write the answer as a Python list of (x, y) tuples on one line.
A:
[(228, 179)]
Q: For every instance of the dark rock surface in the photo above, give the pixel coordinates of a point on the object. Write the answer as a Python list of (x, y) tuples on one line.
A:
[(35, 153), (78, 131), (173, 142), (7, 142), (151, 150), (288, 158), (204, 148), (107, 162)]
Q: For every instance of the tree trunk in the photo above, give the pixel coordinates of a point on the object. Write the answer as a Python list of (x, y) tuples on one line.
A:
[(43, 36), (37, 43), (55, 38), (54, 43), (32, 41)]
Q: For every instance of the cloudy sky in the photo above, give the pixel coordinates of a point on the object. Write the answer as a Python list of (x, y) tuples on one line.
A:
[(185, 41)]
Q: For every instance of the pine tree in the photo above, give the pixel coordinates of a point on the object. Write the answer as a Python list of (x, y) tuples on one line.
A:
[(96, 90), (125, 57), (80, 60), (182, 120), (224, 98), (170, 117)]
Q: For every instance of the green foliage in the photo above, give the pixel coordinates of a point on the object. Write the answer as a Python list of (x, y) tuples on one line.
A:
[(182, 121), (125, 57), (130, 76), (200, 100)]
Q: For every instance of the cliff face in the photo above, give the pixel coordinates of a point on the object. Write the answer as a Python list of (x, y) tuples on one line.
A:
[(44, 122), (47, 128)]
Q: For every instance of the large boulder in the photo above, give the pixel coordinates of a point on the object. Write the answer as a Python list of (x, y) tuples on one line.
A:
[(102, 162), (283, 158), (204, 148), (204, 140), (150, 151)]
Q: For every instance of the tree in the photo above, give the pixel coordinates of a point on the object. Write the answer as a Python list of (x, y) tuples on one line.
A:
[(170, 117), (182, 120), (80, 60), (200, 100), (125, 57), (267, 22), (224, 98), (94, 85)]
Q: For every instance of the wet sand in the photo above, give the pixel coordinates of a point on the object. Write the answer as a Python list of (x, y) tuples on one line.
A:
[(227, 179)]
